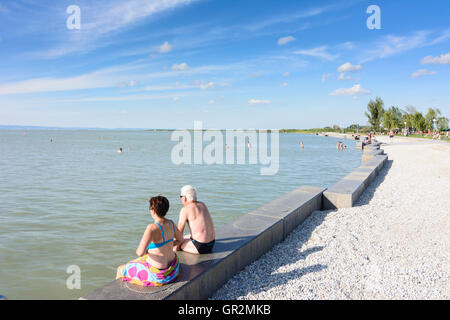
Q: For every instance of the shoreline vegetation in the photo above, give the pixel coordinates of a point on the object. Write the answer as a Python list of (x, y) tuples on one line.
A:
[(407, 122), (326, 131)]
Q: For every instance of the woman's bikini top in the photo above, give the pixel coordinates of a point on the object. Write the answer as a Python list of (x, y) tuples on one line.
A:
[(153, 245)]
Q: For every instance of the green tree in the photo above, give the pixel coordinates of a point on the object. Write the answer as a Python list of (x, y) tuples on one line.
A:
[(397, 122), (418, 121), (353, 127), (430, 116), (392, 118), (336, 128), (375, 113), (406, 117), (442, 123), (388, 119)]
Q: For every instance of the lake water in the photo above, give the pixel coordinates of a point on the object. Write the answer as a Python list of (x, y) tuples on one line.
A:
[(75, 201)]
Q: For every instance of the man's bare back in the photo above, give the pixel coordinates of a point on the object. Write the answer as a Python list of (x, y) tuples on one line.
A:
[(199, 221), (196, 215)]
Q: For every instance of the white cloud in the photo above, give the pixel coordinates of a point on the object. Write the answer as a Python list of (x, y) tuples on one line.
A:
[(175, 99), (139, 97), (119, 76), (165, 47), (120, 14), (193, 85), (286, 74), (393, 45), (348, 45), (343, 77), (258, 101), (87, 81), (211, 85), (319, 52), (353, 91), (212, 101), (442, 59), (125, 84), (326, 76), (208, 85), (348, 67), (285, 40), (285, 18), (285, 84), (102, 18), (168, 87), (180, 67), (422, 72)]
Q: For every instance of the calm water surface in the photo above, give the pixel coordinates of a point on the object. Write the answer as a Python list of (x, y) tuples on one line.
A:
[(75, 201)]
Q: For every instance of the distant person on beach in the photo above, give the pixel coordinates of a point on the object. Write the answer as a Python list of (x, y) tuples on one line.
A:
[(157, 264), (391, 135), (196, 215), (119, 151), (302, 145)]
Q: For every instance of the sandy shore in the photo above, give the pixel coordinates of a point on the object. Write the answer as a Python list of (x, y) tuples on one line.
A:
[(394, 244)]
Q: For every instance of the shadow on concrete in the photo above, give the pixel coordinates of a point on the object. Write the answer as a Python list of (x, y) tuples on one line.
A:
[(264, 275), (368, 194), (228, 244)]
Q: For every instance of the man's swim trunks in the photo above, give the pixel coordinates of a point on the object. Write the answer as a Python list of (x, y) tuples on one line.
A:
[(203, 247)]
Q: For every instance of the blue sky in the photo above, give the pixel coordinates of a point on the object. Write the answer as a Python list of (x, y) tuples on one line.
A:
[(228, 63)]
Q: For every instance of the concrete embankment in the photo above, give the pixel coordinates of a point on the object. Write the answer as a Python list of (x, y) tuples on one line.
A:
[(392, 244)]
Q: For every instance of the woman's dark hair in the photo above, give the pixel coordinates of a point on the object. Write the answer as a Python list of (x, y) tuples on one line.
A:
[(160, 205)]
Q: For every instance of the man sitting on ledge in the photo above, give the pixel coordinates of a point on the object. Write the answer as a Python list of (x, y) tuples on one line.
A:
[(196, 214)]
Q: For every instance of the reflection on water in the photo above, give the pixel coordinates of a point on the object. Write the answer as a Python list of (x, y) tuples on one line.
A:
[(68, 198)]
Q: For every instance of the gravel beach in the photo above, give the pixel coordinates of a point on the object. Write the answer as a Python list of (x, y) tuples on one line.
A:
[(393, 244)]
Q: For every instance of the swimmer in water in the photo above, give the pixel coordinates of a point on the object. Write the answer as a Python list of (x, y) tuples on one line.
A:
[(119, 151), (302, 145), (249, 145)]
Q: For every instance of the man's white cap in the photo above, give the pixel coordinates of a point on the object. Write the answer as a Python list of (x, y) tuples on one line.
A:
[(189, 192)]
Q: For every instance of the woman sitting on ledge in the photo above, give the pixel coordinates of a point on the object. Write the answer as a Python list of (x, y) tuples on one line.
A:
[(157, 264)]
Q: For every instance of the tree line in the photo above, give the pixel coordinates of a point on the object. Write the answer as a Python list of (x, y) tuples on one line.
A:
[(396, 119)]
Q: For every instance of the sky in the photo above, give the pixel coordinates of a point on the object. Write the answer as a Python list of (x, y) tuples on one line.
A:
[(228, 63)]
